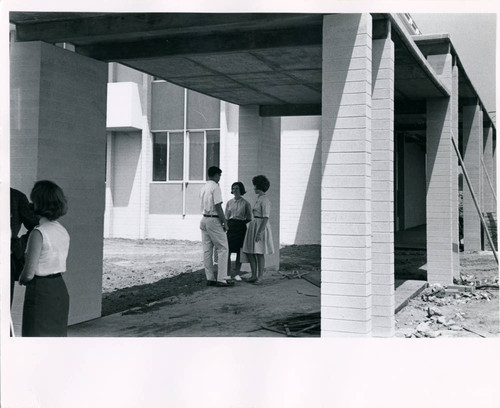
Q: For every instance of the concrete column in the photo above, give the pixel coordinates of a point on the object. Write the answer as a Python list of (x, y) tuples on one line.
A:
[(58, 132), (229, 149), (488, 199), (472, 146), (346, 243), (383, 303), (440, 178), (259, 153), (146, 155), (455, 172), (494, 166), (108, 214)]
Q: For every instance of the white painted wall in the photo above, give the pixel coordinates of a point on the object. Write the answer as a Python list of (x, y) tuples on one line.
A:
[(123, 107), (126, 184), (300, 180)]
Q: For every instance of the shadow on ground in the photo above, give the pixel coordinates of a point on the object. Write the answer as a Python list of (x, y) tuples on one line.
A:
[(293, 257)]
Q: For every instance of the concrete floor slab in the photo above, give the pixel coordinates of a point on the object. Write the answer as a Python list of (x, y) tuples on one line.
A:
[(405, 290)]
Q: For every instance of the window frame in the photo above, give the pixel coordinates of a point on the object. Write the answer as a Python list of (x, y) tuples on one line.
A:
[(186, 155)]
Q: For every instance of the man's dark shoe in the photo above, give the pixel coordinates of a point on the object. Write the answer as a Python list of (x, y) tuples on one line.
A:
[(225, 284), (211, 283)]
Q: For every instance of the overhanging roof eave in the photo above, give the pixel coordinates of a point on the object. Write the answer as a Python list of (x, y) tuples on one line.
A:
[(446, 39), (417, 54)]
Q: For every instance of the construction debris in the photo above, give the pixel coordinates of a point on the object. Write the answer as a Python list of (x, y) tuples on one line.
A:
[(292, 275), (297, 325), (306, 294)]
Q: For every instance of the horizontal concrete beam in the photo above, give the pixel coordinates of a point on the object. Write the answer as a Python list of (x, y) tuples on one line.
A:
[(81, 28), (290, 110), (191, 45)]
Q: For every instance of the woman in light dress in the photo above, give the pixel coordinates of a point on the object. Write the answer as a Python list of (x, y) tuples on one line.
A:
[(259, 238), (238, 214)]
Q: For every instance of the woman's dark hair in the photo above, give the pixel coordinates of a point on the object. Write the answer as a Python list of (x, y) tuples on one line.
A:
[(48, 200), (261, 182), (241, 187)]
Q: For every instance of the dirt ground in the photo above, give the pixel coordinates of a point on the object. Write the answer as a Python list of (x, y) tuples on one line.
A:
[(468, 309), (140, 272)]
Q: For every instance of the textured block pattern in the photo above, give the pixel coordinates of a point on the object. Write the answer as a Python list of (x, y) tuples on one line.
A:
[(383, 187), (454, 174), (346, 212), (488, 198), (472, 146), (440, 161)]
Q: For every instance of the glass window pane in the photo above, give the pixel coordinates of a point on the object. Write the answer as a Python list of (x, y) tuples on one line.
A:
[(196, 147), (160, 157), (213, 148), (176, 156)]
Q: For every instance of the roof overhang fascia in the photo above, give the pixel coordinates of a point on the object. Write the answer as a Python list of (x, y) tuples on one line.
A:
[(445, 40), (413, 49)]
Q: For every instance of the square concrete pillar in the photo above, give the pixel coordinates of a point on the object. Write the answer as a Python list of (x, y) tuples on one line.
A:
[(455, 201), (346, 213), (488, 198), (494, 165), (383, 303), (58, 132), (473, 149), (259, 153), (441, 160)]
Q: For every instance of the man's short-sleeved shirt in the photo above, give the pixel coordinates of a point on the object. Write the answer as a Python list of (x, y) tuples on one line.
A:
[(210, 196)]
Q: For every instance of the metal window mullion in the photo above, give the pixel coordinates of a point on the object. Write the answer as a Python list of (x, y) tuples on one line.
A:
[(185, 157), (167, 162)]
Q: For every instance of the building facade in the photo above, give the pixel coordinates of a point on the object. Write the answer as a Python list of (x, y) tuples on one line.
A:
[(376, 108), (161, 138)]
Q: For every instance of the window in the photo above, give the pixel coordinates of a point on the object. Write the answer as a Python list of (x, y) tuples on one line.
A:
[(160, 157), (203, 151), (196, 143), (176, 156)]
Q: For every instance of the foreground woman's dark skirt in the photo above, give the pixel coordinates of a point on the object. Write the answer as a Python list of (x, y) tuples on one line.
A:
[(46, 307)]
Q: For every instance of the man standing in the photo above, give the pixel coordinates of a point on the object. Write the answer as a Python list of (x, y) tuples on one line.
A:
[(213, 230), (21, 213)]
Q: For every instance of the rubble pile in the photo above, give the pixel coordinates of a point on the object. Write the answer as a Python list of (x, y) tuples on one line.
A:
[(435, 323)]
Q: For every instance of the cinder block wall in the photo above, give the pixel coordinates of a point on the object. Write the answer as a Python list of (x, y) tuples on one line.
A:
[(455, 220), (472, 146), (300, 180), (383, 302), (59, 133), (346, 213), (488, 198), (440, 179)]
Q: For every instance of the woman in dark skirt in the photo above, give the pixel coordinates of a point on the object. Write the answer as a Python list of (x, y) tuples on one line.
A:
[(46, 301), (238, 214)]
